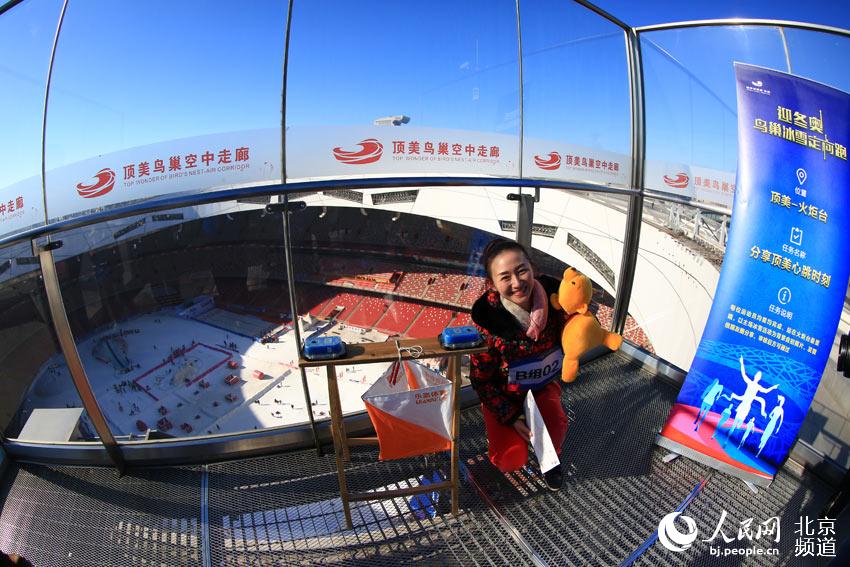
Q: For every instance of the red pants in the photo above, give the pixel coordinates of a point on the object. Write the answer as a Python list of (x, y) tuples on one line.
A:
[(509, 451)]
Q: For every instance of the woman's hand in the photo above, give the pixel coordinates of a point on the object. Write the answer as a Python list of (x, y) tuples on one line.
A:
[(522, 429)]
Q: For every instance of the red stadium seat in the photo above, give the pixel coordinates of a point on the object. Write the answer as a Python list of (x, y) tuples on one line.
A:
[(430, 322), (398, 317), (368, 312)]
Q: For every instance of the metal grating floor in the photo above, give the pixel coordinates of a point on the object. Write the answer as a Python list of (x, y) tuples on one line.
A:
[(285, 509), (89, 516)]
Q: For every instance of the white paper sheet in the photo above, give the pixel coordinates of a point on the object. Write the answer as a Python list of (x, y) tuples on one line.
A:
[(540, 439)]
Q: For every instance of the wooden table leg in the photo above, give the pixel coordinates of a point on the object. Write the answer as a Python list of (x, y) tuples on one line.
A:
[(339, 425), (339, 442), (454, 376)]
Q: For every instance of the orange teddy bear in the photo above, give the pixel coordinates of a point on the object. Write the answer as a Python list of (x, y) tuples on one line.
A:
[(581, 331)]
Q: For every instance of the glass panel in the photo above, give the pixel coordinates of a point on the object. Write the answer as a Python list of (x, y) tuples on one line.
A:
[(681, 250), (692, 151), (827, 428), (26, 40), (39, 401), (585, 230), (404, 259), (445, 73), (576, 123), (813, 55), (154, 102), (375, 265), (691, 117), (176, 316)]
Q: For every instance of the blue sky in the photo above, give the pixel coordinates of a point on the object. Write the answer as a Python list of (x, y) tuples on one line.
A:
[(129, 74)]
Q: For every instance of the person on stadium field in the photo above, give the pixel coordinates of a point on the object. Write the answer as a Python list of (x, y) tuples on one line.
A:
[(523, 335)]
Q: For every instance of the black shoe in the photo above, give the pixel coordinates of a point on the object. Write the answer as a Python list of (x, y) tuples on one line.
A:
[(554, 479)]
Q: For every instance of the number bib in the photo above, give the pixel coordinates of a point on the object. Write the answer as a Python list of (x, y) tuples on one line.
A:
[(534, 373)]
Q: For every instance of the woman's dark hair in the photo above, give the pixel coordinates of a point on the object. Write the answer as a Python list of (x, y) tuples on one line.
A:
[(496, 247)]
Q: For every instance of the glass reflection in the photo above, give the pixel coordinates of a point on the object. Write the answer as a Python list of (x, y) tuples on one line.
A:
[(38, 401), (574, 128), (691, 130), (138, 110), (377, 265), (808, 51), (26, 40), (585, 230), (181, 319), (444, 73), (679, 260)]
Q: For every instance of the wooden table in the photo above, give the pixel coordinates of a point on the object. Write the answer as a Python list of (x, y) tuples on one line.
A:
[(370, 353)]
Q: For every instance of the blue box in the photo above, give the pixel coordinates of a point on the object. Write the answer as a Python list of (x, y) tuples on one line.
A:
[(324, 348), (453, 338)]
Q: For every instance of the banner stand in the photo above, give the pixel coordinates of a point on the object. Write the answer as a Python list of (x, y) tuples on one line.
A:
[(694, 455), (781, 289)]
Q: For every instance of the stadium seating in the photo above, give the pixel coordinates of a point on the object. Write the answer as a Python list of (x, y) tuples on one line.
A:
[(474, 288), (634, 333), (414, 284), (348, 302), (461, 319), (368, 312), (313, 299), (331, 261), (446, 288), (398, 317), (430, 322)]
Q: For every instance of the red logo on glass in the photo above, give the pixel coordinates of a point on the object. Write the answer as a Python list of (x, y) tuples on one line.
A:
[(104, 184), (550, 164), (679, 182), (370, 152)]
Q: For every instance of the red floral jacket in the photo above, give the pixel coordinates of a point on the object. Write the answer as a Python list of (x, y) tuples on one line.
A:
[(507, 343)]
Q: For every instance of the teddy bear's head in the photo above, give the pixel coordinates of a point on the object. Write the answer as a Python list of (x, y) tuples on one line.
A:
[(575, 292)]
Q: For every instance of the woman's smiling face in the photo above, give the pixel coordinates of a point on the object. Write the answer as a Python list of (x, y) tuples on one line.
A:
[(511, 275)]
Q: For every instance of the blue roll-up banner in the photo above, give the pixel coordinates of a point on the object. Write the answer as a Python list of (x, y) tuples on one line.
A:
[(781, 290)]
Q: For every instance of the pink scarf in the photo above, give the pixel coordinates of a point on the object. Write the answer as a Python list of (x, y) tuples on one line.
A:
[(533, 322), (539, 312)]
